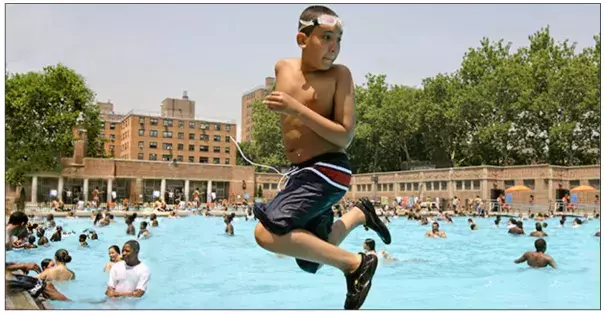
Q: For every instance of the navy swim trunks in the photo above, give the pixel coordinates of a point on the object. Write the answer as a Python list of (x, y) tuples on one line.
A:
[(306, 201)]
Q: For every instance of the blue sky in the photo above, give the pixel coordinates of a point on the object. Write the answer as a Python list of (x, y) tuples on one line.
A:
[(137, 55)]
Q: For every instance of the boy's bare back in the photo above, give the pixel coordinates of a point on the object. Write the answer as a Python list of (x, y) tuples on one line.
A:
[(316, 91)]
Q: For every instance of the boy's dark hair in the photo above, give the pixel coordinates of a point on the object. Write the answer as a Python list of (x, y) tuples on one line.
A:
[(18, 218), (311, 13)]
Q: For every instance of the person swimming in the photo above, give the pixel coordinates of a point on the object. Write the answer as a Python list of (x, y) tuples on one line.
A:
[(154, 220), (517, 229), (369, 247), (59, 272), (47, 263), (497, 221), (42, 240), (56, 237), (562, 221), (538, 232), (229, 227), (473, 227), (598, 234), (82, 240), (94, 236), (143, 232), (130, 228), (434, 232), (576, 223), (114, 257), (537, 259)]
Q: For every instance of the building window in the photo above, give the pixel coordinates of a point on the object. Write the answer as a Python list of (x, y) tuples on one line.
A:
[(509, 183), (141, 156), (142, 120), (216, 149), (166, 157), (429, 186), (573, 184), (153, 133), (204, 126), (153, 157), (227, 127), (112, 147), (167, 146), (216, 161), (168, 122), (167, 134), (217, 138), (102, 135), (112, 126), (141, 132), (203, 148), (180, 147), (401, 187), (204, 137), (181, 135), (154, 121), (408, 186), (192, 136), (103, 125), (530, 183), (179, 158), (467, 185), (227, 161), (192, 124), (476, 184), (266, 186), (415, 186), (112, 138), (273, 186), (227, 150), (153, 145), (203, 159), (227, 138), (458, 185), (435, 185), (443, 185), (217, 127), (191, 159), (191, 147), (595, 183), (141, 144), (181, 124)]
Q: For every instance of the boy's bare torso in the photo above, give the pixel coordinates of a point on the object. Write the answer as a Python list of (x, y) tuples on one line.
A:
[(316, 91)]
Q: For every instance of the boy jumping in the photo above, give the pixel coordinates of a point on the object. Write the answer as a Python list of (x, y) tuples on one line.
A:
[(315, 98)]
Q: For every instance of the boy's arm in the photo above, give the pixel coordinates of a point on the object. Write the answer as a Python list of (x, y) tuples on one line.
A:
[(340, 131), (521, 259)]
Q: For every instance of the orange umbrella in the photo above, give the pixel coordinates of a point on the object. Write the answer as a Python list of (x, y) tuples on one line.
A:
[(517, 188), (583, 188)]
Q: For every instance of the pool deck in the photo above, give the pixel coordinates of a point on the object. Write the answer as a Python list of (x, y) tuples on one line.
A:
[(22, 300)]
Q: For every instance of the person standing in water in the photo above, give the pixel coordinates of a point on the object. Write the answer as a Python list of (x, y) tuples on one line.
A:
[(537, 259), (369, 247), (143, 232), (129, 277), (434, 232), (59, 272), (316, 102), (130, 228), (538, 232), (114, 257)]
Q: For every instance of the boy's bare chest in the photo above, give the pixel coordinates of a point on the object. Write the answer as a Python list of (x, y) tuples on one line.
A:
[(317, 93)]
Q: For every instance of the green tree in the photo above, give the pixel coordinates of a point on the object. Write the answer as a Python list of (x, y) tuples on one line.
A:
[(267, 140), (41, 113)]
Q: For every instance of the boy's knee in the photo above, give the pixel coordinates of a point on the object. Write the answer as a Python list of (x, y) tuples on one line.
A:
[(262, 236)]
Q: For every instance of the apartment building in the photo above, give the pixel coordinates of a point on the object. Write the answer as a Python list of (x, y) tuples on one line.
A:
[(173, 135), (248, 98)]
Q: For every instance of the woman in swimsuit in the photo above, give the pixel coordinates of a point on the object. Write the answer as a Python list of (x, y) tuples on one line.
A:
[(59, 272), (114, 257)]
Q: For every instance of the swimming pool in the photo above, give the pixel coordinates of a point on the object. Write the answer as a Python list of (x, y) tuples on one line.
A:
[(195, 266)]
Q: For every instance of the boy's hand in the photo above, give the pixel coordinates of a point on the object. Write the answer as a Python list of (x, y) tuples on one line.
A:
[(282, 103)]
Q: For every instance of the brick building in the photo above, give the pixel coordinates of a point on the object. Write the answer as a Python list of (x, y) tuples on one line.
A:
[(248, 98), (173, 134)]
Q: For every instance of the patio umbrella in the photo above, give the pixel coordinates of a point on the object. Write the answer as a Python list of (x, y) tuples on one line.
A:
[(517, 188), (583, 188)]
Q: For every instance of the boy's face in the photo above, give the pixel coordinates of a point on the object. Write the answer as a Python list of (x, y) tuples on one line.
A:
[(322, 46)]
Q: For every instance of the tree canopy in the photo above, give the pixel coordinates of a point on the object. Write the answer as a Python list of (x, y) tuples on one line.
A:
[(41, 112)]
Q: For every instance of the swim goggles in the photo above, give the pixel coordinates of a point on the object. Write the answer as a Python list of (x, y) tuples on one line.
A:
[(325, 19)]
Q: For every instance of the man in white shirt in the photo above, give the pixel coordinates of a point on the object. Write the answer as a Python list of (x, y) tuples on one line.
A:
[(130, 276)]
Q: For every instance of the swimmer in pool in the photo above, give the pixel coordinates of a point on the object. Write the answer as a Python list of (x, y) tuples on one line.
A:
[(511, 223), (143, 232), (473, 227), (114, 257), (42, 240), (130, 228), (369, 247), (154, 220), (598, 234), (538, 232), (229, 227), (50, 220), (562, 221), (47, 263), (82, 240), (94, 236), (70, 215), (56, 237), (517, 229), (434, 232), (537, 259), (576, 223), (497, 221), (59, 272)]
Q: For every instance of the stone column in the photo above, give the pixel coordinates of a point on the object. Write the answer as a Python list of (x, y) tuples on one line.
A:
[(85, 190), (450, 185), (138, 190), (209, 192), (109, 189), (484, 189), (34, 191), (186, 190), (60, 188), (163, 190)]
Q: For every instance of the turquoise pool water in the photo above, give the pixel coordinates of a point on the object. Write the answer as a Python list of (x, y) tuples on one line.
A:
[(195, 266)]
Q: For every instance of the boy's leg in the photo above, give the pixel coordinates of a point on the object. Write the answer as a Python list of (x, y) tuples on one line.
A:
[(362, 214)]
